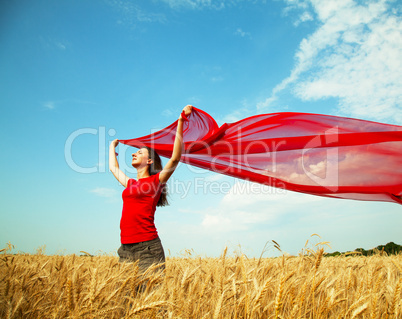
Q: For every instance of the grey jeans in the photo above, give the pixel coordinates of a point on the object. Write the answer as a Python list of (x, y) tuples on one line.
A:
[(147, 253)]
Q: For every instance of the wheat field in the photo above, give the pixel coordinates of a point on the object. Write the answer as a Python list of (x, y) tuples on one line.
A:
[(304, 286)]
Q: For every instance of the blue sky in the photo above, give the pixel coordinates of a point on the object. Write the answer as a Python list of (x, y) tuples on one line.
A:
[(77, 74)]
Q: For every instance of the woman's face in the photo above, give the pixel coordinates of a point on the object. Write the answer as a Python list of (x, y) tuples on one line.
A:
[(141, 158)]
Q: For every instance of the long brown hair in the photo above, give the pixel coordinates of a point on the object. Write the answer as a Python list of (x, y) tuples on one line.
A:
[(155, 168)]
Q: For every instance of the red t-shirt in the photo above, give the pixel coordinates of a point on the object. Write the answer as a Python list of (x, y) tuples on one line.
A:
[(139, 205)]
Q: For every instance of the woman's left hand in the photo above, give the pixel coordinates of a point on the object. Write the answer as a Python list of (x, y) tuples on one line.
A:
[(187, 110)]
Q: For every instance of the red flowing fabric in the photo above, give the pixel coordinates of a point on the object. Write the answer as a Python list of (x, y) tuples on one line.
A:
[(308, 153)]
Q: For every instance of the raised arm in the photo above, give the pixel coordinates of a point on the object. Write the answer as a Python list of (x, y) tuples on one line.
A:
[(114, 164), (177, 149)]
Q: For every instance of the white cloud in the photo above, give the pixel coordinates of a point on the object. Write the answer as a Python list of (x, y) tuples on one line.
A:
[(247, 205), (217, 79), (49, 105), (131, 13), (214, 177), (252, 214), (105, 192), (207, 4), (167, 113), (241, 33), (353, 56), (247, 109), (193, 100), (61, 45), (51, 43), (195, 4), (305, 16), (61, 103)]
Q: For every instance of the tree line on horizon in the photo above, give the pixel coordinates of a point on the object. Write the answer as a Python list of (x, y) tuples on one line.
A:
[(390, 249)]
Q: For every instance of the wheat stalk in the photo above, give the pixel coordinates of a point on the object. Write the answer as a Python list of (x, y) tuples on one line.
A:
[(70, 298), (396, 298), (219, 305), (359, 310), (152, 305), (278, 299)]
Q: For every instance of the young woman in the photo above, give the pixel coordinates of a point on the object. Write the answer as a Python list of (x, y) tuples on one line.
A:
[(139, 237)]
